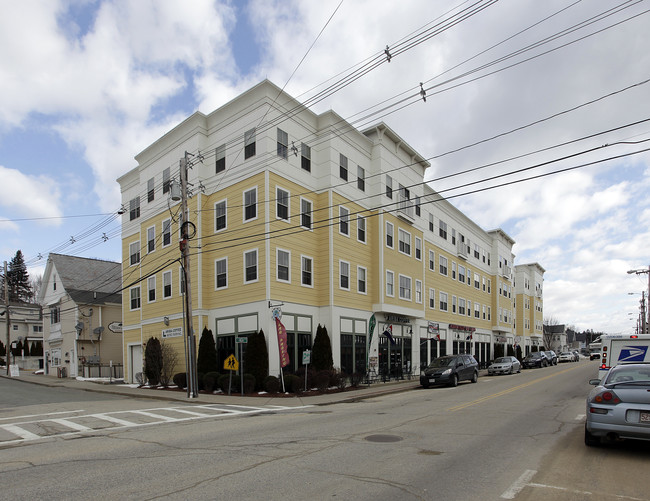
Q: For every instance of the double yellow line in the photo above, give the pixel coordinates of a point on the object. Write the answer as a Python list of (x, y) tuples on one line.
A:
[(505, 392)]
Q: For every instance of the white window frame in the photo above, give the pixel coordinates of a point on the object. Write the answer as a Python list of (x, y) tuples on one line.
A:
[(302, 270), (134, 295), (390, 232), (418, 248), (344, 271), (278, 204), (444, 301), (134, 252), (361, 178), (390, 283), (216, 273), (432, 261), (151, 286), (432, 299), (418, 291), (361, 230), (405, 287), (286, 253), (362, 272), (167, 281), (151, 239), (257, 266), (443, 267), (217, 208), (282, 144), (246, 205), (166, 230), (303, 213), (404, 242), (344, 221)]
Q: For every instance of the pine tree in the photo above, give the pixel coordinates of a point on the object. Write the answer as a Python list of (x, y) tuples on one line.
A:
[(322, 350), (207, 357), (256, 358), (20, 289)]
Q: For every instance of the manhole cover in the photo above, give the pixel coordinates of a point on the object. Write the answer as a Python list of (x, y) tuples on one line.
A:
[(383, 438), (429, 453)]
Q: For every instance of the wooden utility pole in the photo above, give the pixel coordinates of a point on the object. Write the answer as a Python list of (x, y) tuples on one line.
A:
[(192, 377)]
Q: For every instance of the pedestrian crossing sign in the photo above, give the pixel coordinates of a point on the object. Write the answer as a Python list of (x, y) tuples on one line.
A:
[(231, 363)]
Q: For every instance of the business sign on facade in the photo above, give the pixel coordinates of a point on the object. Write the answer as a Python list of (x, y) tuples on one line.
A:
[(173, 332)]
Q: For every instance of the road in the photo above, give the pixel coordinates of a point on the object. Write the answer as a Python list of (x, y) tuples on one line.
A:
[(508, 437)]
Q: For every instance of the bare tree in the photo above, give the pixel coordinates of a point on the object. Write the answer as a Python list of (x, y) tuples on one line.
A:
[(170, 361), (549, 325)]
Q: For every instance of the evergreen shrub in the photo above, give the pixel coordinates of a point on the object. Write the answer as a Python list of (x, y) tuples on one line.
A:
[(271, 384), (180, 380)]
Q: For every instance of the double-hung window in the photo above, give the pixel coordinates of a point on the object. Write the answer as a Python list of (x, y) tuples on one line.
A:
[(250, 266), (432, 261), (249, 144), (134, 208), (220, 159), (361, 229), (405, 287), (344, 221), (167, 284), (389, 186), (134, 252), (167, 179), (361, 178), (343, 167), (389, 234), (151, 193), (151, 288), (282, 204), (166, 232), (444, 301), (305, 213), (305, 159), (418, 291), (283, 144), (432, 299), (151, 239), (284, 260), (250, 204), (361, 279), (390, 283), (418, 248), (443, 264), (442, 229), (220, 220), (135, 298), (344, 275), (306, 271), (221, 273), (404, 241)]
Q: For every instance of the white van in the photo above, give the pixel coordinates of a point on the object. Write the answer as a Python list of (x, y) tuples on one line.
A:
[(623, 348)]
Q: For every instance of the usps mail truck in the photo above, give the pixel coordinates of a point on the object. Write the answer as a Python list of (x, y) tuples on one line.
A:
[(623, 348)]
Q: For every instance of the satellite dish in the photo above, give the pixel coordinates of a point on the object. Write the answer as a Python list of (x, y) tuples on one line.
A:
[(79, 326), (98, 330)]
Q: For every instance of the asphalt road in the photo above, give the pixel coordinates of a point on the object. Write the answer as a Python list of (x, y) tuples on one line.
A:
[(507, 437)]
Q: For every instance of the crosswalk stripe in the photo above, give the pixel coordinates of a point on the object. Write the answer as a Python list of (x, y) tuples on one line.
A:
[(22, 433), (70, 424), (112, 419)]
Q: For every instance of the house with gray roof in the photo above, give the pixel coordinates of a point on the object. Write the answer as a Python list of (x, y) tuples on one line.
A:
[(82, 317)]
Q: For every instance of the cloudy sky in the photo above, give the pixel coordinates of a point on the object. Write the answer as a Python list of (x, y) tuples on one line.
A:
[(516, 90)]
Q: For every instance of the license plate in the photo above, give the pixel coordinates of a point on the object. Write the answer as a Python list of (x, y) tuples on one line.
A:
[(432, 380), (645, 417)]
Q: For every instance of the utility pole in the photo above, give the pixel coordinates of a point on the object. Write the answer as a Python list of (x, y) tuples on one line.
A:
[(192, 383), (645, 324), (7, 345)]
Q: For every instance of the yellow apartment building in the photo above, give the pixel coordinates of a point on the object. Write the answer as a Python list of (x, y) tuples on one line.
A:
[(301, 214)]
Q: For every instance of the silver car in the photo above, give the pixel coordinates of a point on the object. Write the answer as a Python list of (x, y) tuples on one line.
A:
[(619, 406), (504, 365)]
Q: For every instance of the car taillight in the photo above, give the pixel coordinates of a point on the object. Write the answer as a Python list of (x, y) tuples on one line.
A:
[(607, 397)]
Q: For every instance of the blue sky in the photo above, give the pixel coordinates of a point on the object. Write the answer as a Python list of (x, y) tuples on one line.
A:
[(87, 84)]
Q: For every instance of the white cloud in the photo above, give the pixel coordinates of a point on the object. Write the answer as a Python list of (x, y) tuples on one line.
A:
[(29, 196)]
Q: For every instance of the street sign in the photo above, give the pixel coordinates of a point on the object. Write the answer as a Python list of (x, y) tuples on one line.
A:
[(306, 357), (231, 363), (241, 340)]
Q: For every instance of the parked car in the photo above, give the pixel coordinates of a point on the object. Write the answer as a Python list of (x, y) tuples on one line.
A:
[(619, 405), (504, 365), (566, 356), (552, 357), (576, 356), (450, 369), (535, 359)]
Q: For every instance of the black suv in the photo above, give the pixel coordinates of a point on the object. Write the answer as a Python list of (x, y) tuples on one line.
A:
[(535, 359), (552, 357), (450, 369)]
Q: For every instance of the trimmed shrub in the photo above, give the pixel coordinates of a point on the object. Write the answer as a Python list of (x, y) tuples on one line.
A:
[(249, 383), (211, 381), (199, 377), (271, 384), (207, 357), (153, 361), (322, 380), (256, 358), (224, 381), (339, 380), (293, 384), (356, 379), (322, 350), (180, 380)]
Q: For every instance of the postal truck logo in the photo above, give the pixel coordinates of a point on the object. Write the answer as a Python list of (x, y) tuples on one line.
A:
[(632, 354)]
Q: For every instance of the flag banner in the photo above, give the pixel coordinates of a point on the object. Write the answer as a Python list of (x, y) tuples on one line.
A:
[(389, 334), (437, 337), (282, 343), (371, 328)]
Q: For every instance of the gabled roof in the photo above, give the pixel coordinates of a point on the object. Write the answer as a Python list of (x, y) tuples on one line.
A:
[(88, 281)]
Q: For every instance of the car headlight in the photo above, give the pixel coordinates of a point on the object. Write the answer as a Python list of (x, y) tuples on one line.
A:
[(446, 373)]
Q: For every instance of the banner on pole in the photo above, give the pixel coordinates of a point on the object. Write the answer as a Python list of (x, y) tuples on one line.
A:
[(282, 343)]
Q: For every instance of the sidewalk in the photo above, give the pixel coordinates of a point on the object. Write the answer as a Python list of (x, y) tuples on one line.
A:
[(350, 395)]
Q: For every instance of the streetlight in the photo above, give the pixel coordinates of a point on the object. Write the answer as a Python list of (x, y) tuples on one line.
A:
[(639, 272)]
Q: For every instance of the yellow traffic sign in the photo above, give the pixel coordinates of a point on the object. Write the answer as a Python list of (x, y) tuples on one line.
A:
[(231, 363)]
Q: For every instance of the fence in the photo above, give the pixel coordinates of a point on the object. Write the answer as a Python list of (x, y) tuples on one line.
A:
[(115, 371)]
